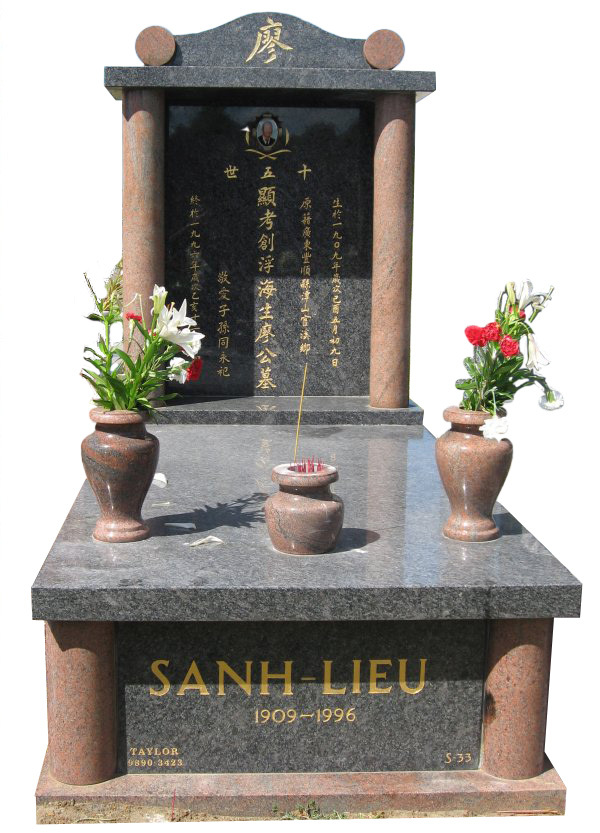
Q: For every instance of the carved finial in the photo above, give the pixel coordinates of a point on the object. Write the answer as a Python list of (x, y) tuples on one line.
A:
[(155, 46), (383, 49)]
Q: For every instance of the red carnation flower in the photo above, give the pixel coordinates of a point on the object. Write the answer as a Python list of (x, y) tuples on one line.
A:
[(476, 336), (509, 346), (132, 316), (194, 370), (492, 332)]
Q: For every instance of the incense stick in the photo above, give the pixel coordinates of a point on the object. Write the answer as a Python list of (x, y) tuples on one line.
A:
[(300, 412)]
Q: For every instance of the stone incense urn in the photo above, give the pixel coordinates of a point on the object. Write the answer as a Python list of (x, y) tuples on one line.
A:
[(473, 470), (304, 517), (120, 460)]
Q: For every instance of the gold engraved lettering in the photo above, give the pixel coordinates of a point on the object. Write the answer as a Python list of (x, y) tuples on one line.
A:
[(356, 676), (268, 38), (155, 668), (266, 675), (375, 674), (245, 685), (193, 674), (407, 689), (327, 688)]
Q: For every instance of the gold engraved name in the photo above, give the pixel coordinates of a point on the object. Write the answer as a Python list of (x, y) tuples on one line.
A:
[(268, 40), (381, 678)]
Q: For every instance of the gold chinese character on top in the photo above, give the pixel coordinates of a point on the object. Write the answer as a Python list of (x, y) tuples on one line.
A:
[(267, 39)]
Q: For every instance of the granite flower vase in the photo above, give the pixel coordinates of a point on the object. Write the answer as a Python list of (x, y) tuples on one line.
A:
[(304, 517), (120, 459), (473, 470)]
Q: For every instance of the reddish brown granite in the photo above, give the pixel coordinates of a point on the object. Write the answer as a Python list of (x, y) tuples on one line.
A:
[(155, 46), (143, 195), (473, 470), (303, 517), (516, 697), (392, 249), (80, 679), (120, 459), (204, 796), (383, 49)]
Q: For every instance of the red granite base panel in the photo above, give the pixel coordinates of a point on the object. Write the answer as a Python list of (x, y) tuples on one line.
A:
[(247, 795)]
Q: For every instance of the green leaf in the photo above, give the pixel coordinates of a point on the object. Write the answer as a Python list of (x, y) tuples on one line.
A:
[(126, 360)]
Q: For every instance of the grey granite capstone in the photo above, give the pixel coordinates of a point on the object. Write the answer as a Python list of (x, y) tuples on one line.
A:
[(390, 562), (363, 84), (359, 723), (283, 410)]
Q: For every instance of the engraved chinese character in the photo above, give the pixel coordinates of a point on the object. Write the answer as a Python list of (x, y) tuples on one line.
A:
[(265, 382), (306, 219), (268, 38), (223, 310), (265, 312), (266, 264), (223, 327), (267, 288), (305, 347), (224, 371), (268, 174), (223, 277), (266, 242), (194, 212), (306, 204), (223, 342), (194, 199), (267, 219), (304, 170), (195, 233), (266, 195), (224, 294), (265, 333), (266, 356), (231, 171), (224, 359)]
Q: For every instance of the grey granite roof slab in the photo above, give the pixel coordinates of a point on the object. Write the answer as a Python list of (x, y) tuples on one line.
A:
[(363, 84), (283, 410), (390, 562)]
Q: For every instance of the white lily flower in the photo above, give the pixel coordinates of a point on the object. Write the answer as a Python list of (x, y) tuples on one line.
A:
[(494, 428), (178, 370), (188, 340), (158, 298), (535, 357), (179, 316)]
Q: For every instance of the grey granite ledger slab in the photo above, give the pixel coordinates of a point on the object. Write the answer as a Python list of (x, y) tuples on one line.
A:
[(339, 709), (283, 410), (391, 561)]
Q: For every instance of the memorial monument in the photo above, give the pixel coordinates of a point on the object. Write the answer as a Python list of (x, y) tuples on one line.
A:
[(268, 177)]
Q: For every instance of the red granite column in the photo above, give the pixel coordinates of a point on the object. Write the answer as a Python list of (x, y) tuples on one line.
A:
[(516, 697), (81, 689), (392, 249), (143, 194)]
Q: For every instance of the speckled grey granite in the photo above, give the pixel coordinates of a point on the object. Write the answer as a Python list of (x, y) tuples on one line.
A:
[(232, 43), (386, 730), (391, 561), (363, 84), (283, 410)]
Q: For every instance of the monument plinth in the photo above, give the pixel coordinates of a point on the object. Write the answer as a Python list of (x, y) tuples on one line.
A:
[(268, 178)]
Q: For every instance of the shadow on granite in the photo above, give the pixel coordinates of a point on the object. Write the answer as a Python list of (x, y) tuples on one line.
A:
[(240, 513)]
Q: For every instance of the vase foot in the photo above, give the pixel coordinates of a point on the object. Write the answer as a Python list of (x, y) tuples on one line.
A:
[(121, 532), (473, 533)]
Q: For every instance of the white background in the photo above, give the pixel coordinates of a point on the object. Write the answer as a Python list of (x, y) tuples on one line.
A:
[(506, 188)]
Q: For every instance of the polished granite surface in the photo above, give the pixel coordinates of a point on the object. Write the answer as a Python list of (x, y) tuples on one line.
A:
[(283, 410), (391, 561)]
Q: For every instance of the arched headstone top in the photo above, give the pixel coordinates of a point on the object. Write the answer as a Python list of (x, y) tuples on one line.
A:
[(269, 39)]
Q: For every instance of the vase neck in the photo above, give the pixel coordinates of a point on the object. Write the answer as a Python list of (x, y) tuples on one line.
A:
[(461, 428), (135, 431)]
